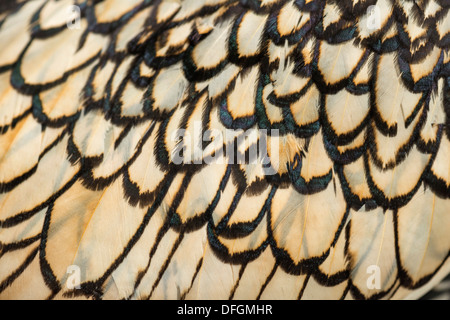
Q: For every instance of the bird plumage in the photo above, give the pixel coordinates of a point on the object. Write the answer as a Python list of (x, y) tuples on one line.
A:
[(350, 98)]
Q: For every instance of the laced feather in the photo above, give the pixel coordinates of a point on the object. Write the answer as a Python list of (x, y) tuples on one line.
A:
[(361, 176)]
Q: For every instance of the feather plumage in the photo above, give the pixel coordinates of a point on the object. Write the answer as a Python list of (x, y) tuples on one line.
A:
[(94, 112)]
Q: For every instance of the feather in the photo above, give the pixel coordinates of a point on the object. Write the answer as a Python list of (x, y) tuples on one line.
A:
[(64, 58), (338, 61), (294, 224), (290, 19), (113, 10), (428, 231), (22, 142), (13, 205), (14, 32), (207, 286), (374, 230), (346, 111), (254, 278), (127, 139), (290, 290), (250, 33)]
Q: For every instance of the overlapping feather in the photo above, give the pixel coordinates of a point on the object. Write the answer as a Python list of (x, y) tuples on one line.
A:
[(87, 174)]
